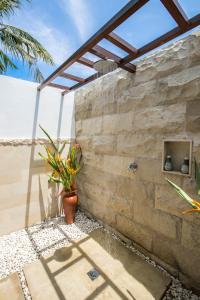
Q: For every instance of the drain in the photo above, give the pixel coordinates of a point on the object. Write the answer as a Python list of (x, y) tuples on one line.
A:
[(93, 274)]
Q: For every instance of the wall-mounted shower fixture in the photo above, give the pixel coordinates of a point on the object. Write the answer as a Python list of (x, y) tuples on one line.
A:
[(133, 167), (103, 66)]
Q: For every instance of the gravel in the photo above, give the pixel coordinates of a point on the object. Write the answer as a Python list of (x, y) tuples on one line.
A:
[(25, 246)]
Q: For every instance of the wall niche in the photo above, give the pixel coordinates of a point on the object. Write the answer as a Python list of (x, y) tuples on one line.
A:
[(177, 154)]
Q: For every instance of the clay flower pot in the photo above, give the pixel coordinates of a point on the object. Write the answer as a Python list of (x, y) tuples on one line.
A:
[(70, 201)]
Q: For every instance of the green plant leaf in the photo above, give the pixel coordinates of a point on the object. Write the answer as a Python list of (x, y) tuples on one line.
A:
[(181, 193), (197, 176), (50, 139)]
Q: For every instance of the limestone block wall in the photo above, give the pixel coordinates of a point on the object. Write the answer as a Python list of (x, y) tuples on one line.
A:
[(123, 117)]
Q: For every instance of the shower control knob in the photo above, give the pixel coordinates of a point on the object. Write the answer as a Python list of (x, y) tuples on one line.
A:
[(133, 167)]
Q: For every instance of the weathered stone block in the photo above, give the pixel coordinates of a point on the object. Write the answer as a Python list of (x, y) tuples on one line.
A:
[(117, 165), (135, 190), (92, 159), (85, 143), (190, 236), (114, 124), (139, 145), (162, 120), (134, 231), (167, 200), (193, 115), (96, 210), (78, 127), (131, 189), (184, 77), (149, 170), (164, 249), (105, 144), (92, 126), (184, 259), (83, 110), (157, 220)]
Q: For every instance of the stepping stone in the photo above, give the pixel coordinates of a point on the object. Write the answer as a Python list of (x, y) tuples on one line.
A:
[(95, 267), (10, 288)]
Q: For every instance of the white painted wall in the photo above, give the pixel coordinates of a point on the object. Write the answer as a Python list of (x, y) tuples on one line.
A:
[(22, 108)]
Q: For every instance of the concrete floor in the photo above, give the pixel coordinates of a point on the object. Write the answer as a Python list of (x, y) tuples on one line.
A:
[(10, 288), (123, 275)]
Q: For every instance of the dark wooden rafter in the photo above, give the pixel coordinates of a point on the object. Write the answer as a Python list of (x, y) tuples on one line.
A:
[(193, 22), (118, 19), (105, 54), (72, 77), (87, 80), (86, 62), (176, 12), (106, 32), (59, 86), (121, 43)]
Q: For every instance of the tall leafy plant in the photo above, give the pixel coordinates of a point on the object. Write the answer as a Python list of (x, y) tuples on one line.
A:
[(64, 170)]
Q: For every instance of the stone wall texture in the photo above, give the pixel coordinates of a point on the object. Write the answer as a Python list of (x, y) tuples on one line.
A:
[(123, 117), (26, 197)]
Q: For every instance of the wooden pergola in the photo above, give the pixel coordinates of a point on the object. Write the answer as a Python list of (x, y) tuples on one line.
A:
[(106, 32)]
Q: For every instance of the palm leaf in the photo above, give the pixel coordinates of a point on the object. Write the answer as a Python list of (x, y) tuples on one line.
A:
[(197, 176), (7, 7), (5, 62), (181, 193), (22, 46)]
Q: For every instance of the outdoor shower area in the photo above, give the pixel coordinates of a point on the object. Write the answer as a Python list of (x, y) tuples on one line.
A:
[(124, 118), (138, 124)]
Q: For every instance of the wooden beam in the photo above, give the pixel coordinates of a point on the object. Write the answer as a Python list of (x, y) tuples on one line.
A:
[(105, 54), (78, 85), (121, 43), (192, 23), (72, 77), (58, 86), (86, 62), (176, 12), (131, 7)]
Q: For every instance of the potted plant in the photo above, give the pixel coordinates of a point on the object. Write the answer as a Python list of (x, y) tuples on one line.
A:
[(64, 171)]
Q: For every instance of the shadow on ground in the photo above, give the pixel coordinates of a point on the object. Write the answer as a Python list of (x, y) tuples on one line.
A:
[(123, 275)]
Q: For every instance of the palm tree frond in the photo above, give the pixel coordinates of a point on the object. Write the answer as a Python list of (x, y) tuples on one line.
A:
[(7, 7), (10, 35), (5, 62), (21, 45)]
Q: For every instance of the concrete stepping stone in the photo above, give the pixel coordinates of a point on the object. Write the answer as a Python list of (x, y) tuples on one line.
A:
[(118, 272), (10, 288)]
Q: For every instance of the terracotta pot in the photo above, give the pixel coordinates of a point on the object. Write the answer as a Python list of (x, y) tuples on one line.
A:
[(70, 201)]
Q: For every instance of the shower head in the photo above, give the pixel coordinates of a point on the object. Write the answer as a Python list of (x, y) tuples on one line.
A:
[(105, 66)]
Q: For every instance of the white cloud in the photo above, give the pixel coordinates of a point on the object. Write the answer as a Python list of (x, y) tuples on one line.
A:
[(56, 42), (80, 13), (59, 44)]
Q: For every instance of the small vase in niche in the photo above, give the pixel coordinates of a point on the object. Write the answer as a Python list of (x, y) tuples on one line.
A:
[(185, 166), (168, 163)]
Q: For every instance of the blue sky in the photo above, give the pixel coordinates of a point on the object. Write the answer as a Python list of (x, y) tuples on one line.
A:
[(62, 26)]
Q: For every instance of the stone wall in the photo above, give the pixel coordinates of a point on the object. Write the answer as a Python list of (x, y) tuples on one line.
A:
[(124, 117), (26, 197)]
